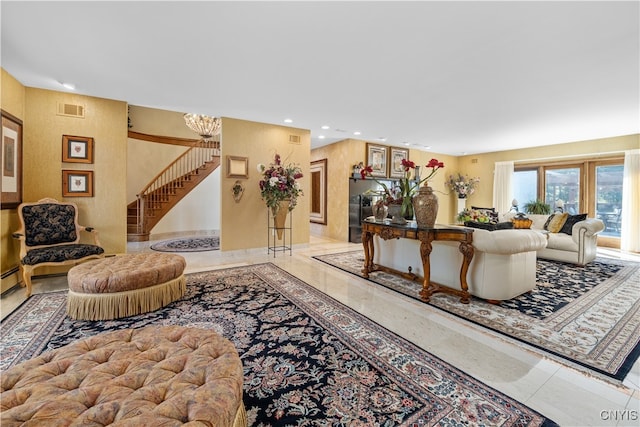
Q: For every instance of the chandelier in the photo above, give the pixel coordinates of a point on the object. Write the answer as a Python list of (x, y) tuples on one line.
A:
[(204, 126)]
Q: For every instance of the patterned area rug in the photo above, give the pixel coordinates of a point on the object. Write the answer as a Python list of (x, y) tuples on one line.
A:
[(587, 317), (308, 359), (191, 244)]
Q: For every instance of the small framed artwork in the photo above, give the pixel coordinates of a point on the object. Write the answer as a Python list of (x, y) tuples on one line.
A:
[(77, 183), (318, 200), (11, 161), (237, 167), (77, 149), (395, 164), (377, 159)]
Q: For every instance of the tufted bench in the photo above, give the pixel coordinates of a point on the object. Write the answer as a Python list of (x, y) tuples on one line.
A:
[(124, 285), (158, 375)]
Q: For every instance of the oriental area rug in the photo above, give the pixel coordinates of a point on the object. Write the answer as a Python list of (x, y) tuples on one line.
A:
[(308, 360), (190, 244), (586, 317)]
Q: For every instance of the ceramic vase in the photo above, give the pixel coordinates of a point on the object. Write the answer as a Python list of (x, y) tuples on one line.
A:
[(425, 205), (280, 216)]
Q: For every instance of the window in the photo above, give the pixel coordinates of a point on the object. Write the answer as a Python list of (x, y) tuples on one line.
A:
[(562, 189), (591, 187)]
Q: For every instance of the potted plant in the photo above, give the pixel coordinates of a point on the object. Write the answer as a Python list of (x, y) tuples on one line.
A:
[(537, 207)]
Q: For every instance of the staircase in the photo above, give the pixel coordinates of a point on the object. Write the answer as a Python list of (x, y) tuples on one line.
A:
[(169, 187)]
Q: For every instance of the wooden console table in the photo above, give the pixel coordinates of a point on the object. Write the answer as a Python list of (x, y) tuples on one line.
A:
[(387, 230)]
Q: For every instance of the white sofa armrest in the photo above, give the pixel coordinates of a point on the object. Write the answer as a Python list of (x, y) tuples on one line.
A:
[(508, 241), (588, 228)]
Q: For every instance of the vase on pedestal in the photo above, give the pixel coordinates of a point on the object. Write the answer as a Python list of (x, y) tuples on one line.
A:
[(425, 206), (280, 216)]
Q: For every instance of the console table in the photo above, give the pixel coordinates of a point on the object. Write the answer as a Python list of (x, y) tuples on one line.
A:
[(387, 230)]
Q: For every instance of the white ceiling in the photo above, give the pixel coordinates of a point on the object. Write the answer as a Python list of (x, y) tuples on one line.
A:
[(458, 77)]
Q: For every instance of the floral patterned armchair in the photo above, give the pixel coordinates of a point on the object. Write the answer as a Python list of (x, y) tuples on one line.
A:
[(49, 235)]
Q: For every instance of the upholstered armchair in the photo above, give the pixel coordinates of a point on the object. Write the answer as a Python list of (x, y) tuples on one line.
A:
[(49, 235)]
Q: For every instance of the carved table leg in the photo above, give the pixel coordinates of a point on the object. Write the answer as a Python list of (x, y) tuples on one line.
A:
[(425, 252), (467, 252), (367, 243)]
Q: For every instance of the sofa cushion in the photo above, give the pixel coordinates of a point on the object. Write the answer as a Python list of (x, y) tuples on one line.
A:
[(561, 242), (555, 222), (570, 222)]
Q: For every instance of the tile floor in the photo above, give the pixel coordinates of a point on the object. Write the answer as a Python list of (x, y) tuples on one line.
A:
[(559, 392)]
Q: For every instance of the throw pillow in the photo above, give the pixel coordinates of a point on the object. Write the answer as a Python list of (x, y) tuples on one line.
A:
[(489, 226), (556, 221), (521, 223), (571, 221)]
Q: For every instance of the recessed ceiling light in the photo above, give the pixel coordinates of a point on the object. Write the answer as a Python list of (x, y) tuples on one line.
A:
[(357, 132), (428, 147), (320, 136), (69, 86), (288, 121), (325, 127), (382, 138)]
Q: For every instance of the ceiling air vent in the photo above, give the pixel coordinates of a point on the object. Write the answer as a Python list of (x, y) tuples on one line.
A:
[(70, 110), (294, 139)]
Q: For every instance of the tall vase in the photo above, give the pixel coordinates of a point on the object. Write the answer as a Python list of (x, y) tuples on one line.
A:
[(425, 205), (280, 216)]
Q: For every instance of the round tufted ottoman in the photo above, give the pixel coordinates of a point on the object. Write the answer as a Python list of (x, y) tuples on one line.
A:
[(158, 375), (124, 285)]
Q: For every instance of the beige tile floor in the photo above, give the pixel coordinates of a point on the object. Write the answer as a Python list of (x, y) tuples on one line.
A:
[(557, 391)]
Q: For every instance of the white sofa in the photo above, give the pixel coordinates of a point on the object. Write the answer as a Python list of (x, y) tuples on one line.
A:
[(503, 264), (578, 248)]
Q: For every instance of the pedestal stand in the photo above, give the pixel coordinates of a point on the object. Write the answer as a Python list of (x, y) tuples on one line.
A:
[(272, 235)]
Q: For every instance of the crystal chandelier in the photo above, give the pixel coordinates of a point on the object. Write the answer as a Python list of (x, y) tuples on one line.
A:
[(204, 126)]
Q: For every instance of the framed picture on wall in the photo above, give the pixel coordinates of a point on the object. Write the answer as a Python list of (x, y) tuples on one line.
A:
[(77, 149), (237, 167), (377, 159), (318, 210), (395, 162), (76, 183), (11, 161)]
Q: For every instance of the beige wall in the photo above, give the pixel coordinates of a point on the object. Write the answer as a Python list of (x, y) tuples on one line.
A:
[(105, 121), (244, 224), (12, 95), (341, 156)]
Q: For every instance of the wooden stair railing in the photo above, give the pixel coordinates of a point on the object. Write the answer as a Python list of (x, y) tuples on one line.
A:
[(169, 187)]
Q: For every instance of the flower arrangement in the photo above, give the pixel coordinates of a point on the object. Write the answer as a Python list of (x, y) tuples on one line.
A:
[(279, 182), (462, 185), (404, 191), (473, 215)]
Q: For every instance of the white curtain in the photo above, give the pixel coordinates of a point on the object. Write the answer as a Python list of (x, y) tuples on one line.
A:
[(503, 186), (630, 226)]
